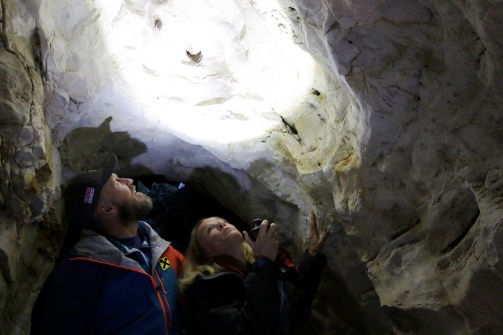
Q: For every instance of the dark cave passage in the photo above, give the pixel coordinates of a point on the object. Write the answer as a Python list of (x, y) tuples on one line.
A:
[(177, 208)]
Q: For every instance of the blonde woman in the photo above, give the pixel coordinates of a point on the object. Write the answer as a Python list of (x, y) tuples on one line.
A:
[(230, 283)]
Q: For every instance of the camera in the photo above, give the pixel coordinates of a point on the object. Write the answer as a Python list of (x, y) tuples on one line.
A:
[(286, 267)]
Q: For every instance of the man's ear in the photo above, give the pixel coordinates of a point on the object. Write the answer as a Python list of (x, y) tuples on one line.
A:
[(103, 208)]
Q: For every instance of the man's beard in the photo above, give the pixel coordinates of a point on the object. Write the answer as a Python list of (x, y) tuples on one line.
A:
[(134, 210)]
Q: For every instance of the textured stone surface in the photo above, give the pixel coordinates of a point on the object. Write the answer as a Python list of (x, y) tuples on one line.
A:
[(384, 116), (29, 225)]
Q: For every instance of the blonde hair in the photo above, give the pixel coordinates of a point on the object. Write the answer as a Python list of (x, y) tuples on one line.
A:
[(198, 263)]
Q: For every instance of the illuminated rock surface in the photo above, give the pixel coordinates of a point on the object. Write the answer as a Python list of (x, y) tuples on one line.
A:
[(385, 118)]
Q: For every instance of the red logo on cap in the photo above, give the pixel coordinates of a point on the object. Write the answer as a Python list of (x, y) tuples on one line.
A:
[(89, 195)]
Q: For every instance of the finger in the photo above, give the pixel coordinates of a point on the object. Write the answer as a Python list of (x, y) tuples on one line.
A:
[(262, 231), (272, 229), (263, 228), (314, 225), (247, 238)]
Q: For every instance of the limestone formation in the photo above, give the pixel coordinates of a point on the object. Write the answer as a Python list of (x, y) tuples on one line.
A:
[(384, 116)]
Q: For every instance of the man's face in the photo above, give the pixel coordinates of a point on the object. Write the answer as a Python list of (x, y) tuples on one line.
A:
[(121, 192)]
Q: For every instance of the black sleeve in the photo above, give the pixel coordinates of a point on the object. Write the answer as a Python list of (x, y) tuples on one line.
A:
[(225, 304), (304, 290)]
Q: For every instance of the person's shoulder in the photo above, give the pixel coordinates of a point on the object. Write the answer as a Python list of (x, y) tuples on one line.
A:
[(219, 286), (146, 228), (174, 252), (175, 258), (219, 283), (222, 276), (153, 236)]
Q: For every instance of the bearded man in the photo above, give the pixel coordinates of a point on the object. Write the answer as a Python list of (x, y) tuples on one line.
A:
[(121, 277)]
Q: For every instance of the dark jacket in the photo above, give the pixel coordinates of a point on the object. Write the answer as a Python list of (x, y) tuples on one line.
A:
[(97, 289), (256, 303)]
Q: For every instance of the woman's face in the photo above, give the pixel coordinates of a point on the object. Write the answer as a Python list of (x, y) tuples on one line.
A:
[(218, 237)]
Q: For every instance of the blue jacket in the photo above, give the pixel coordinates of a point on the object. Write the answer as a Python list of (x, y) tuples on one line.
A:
[(97, 289)]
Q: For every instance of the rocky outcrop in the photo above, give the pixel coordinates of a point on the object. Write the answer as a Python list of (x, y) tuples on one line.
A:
[(29, 226), (384, 117)]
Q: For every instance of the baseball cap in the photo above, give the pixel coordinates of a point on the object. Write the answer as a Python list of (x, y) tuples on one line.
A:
[(82, 193)]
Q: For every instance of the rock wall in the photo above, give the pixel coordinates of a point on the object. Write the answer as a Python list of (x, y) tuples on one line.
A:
[(395, 140), (29, 226), (424, 211)]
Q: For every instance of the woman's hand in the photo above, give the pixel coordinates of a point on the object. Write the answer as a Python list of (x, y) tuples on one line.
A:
[(266, 244), (316, 241)]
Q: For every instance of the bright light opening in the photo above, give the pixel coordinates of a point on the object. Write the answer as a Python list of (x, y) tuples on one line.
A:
[(250, 72)]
